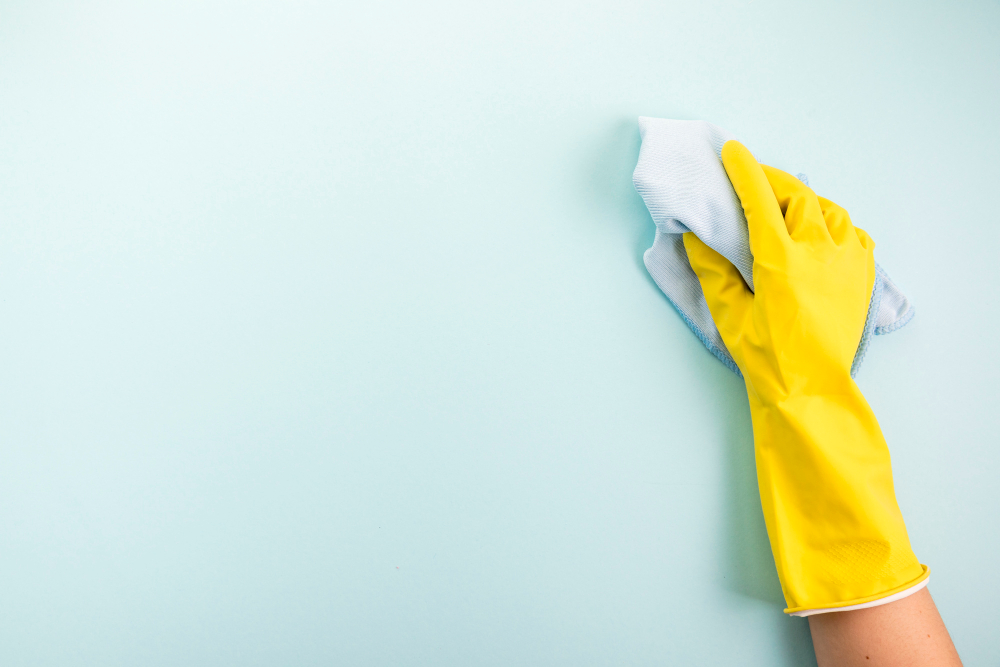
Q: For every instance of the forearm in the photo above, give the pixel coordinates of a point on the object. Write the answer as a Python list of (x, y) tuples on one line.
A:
[(904, 633), (825, 479)]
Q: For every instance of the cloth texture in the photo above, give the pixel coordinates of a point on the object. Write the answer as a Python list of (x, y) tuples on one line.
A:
[(681, 179)]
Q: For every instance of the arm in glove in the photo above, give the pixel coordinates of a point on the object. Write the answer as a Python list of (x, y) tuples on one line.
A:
[(823, 468)]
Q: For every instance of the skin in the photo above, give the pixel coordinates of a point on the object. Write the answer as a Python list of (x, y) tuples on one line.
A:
[(904, 633)]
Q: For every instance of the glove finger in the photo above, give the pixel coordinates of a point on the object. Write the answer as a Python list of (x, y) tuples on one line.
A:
[(866, 241), (837, 221), (727, 295), (764, 218), (798, 203)]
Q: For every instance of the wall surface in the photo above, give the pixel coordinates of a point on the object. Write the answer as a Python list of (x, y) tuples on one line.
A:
[(326, 338)]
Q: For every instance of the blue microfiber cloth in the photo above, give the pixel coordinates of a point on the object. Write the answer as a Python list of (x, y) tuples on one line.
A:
[(681, 178)]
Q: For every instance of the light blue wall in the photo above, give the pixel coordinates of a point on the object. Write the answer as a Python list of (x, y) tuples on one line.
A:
[(326, 338)]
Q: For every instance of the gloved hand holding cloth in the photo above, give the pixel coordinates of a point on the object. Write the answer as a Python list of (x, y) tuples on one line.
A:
[(823, 466)]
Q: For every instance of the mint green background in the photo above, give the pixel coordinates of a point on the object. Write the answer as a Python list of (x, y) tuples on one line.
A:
[(326, 338)]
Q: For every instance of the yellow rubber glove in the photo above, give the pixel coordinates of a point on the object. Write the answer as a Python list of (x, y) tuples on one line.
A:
[(823, 468)]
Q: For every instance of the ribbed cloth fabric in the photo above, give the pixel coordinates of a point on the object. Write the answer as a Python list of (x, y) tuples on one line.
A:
[(681, 179)]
